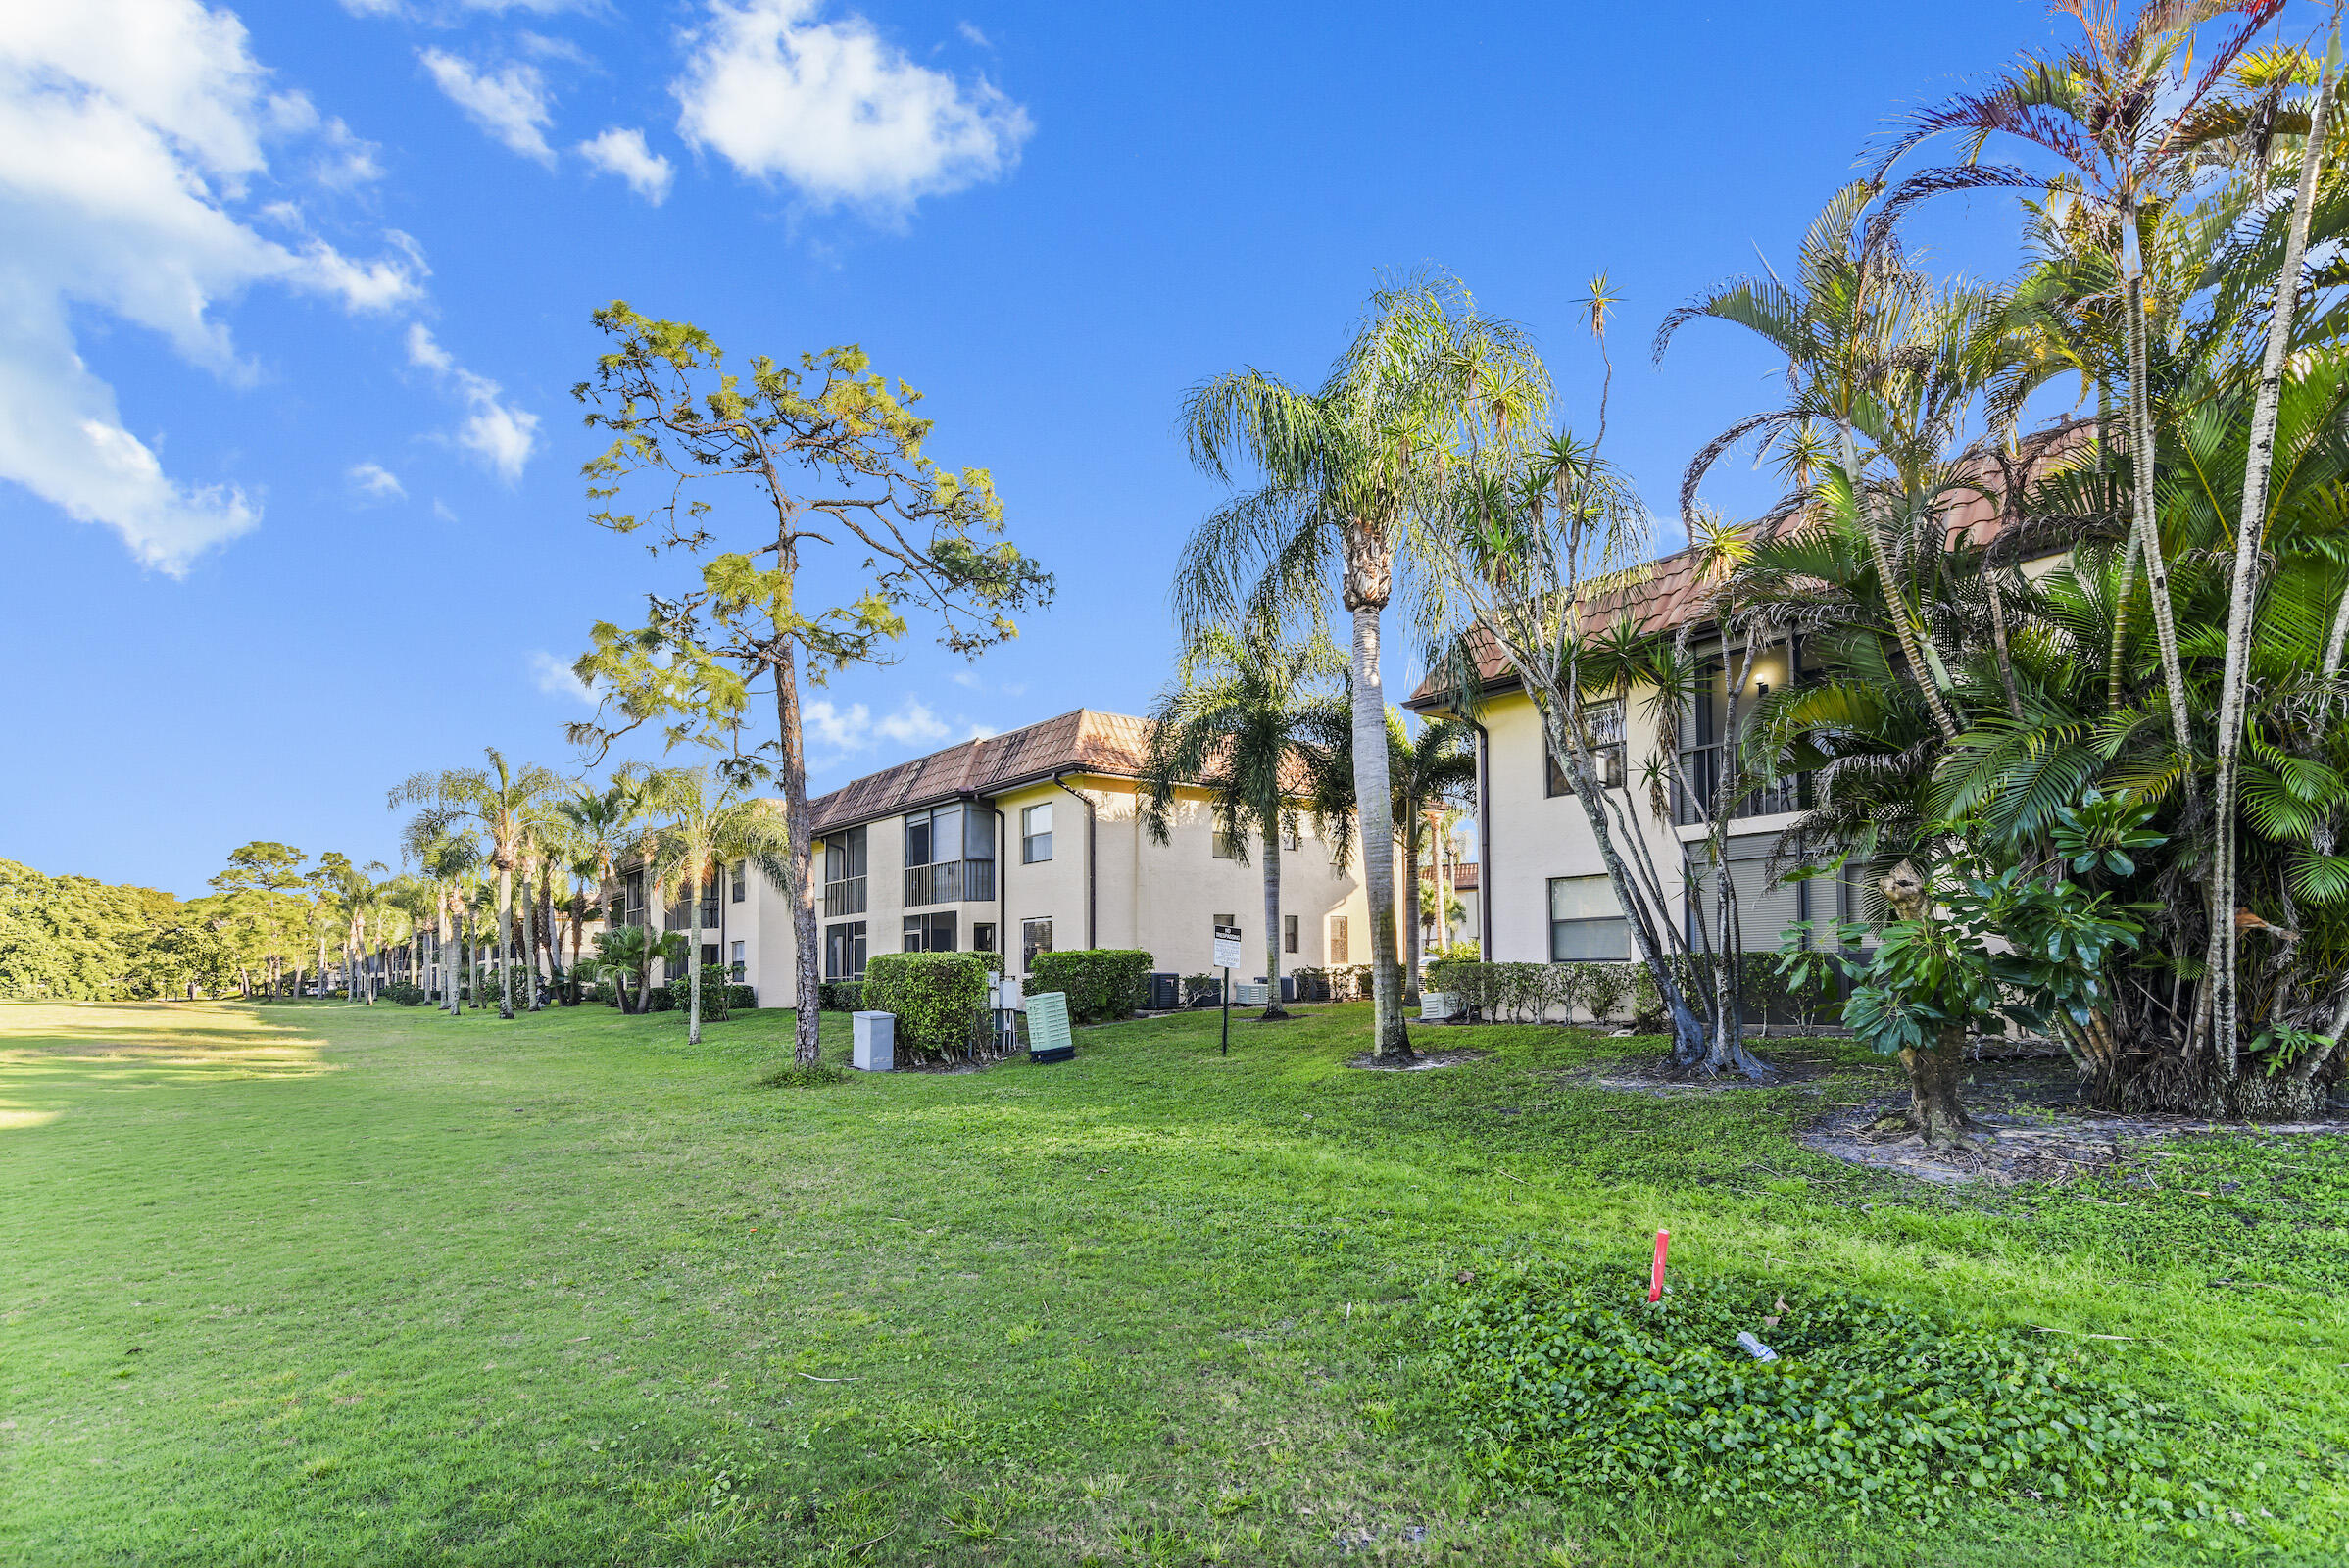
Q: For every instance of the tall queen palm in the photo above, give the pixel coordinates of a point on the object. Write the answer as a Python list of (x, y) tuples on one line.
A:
[(1352, 473)]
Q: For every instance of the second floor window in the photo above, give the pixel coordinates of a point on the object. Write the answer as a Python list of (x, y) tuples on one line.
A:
[(1288, 933), (741, 882), (1036, 833), (1221, 846), (844, 872), (1339, 950), (1602, 732)]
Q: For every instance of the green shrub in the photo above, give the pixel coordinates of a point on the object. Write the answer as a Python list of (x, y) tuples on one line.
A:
[(1564, 1379), (839, 996), (813, 1075), (1100, 983), (405, 995), (663, 1000), (939, 1000), (1648, 1001), (1603, 988)]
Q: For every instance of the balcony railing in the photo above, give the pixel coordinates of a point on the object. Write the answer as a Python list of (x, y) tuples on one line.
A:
[(950, 882), (844, 897), (1703, 766)]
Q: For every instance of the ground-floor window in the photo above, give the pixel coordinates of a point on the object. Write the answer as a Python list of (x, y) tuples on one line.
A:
[(930, 933), (982, 936), (1586, 923), (735, 967), (1035, 936), (843, 951), (1341, 952)]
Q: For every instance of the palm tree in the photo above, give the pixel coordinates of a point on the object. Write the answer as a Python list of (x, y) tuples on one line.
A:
[(1352, 473), (2121, 116), (709, 827), (445, 861), (507, 804), (1253, 722)]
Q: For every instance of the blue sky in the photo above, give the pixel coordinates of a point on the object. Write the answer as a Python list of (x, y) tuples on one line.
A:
[(296, 290)]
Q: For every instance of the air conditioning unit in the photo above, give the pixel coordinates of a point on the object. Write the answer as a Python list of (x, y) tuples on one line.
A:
[(1255, 996), (1435, 1007), (1161, 993)]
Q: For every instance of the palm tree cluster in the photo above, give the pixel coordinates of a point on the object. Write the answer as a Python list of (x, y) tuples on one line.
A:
[(2176, 675), (2059, 563), (483, 834)]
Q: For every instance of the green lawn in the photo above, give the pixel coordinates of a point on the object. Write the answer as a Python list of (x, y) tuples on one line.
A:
[(323, 1284)]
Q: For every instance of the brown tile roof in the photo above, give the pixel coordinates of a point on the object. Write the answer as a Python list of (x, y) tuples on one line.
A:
[(1082, 741)]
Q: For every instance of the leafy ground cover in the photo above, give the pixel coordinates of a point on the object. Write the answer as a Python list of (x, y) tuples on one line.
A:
[(321, 1284)]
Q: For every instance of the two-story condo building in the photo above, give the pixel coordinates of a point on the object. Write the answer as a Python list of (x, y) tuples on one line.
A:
[(1033, 842)]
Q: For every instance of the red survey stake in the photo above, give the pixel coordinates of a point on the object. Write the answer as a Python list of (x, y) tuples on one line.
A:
[(1655, 1275)]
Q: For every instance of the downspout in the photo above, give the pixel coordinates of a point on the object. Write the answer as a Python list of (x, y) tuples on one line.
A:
[(1092, 882), (1003, 887), (1483, 843)]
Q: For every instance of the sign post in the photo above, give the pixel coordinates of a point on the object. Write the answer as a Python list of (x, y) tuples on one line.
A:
[(1227, 953)]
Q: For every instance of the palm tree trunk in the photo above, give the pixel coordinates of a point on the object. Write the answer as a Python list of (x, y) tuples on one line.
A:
[(692, 964), (2250, 533), (1924, 669), (505, 944), (1272, 918), (1413, 832), (2147, 526), (529, 945), (1376, 806)]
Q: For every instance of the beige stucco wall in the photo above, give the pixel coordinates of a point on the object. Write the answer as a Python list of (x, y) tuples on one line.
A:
[(1160, 898), (1534, 837)]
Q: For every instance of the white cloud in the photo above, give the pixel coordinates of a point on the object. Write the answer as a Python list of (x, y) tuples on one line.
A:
[(981, 732), (971, 34), (372, 481), (624, 153), (512, 105), (395, 7), (133, 135), (843, 730), (499, 433), (965, 677), (837, 111), (440, 510), (553, 677)]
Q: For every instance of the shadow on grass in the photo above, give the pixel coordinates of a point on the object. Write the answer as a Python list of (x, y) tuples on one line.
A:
[(57, 1056)]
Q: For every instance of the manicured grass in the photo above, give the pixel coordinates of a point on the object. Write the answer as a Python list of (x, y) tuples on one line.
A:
[(323, 1284)]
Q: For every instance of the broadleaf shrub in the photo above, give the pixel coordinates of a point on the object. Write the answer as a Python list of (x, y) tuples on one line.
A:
[(939, 1000), (405, 995), (1563, 1378), (1101, 983), (839, 996)]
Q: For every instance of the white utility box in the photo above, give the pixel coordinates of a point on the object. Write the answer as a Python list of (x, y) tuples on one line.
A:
[(1435, 1007), (1258, 994), (873, 1042)]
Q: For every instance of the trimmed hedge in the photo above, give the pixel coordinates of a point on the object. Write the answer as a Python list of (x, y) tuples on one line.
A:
[(1100, 983), (1349, 982), (738, 999), (405, 995), (1614, 992), (839, 996), (939, 999)]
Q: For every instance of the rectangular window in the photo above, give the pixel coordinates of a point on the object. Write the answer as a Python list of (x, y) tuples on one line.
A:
[(1035, 936), (1288, 933), (982, 936), (843, 951), (709, 909), (1602, 732), (1036, 834), (950, 855), (1585, 921), (930, 933), (1340, 953), (741, 882), (737, 966), (844, 873), (1289, 838), (634, 900), (1221, 846), (708, 954)]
